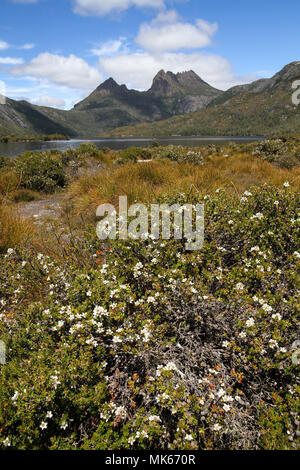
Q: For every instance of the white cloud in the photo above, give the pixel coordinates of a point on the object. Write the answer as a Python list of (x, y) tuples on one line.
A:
[(138, 69), (50, 101), (167, 33), (10, 61), (27, 46), (109, 48), (3, 45), (103, 7), (70, 71)]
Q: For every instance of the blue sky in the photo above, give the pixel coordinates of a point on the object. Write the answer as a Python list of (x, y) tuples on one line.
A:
[(54, 52)]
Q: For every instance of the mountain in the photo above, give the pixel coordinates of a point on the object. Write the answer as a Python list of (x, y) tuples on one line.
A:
[(263, 107), (176, 104), (110, 106)]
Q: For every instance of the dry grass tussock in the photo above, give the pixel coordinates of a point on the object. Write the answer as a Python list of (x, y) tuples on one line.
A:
[(146, 181), (14, 230)]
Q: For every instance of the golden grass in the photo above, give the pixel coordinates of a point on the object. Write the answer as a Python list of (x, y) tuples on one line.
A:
[(9, 182), (14, 230), (145, 182)]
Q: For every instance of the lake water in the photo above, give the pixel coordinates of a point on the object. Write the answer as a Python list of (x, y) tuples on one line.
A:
[(15, 148)]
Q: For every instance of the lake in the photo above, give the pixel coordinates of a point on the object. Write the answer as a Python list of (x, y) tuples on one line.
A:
[(15, 148)]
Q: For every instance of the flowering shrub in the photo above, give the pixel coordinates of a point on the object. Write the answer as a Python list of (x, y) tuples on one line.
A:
[(278, 151), (177, 154), (40, 171), (153, 347)]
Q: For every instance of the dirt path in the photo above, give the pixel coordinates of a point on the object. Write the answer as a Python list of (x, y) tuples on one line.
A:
[(43, 209)]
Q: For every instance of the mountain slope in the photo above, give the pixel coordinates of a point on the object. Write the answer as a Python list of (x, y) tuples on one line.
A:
[(264, 107), (176, 104), (110, 106)]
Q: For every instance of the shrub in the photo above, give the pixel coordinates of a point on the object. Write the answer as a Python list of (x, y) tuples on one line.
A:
[(88, 149), (132, 154), (158, 348), (277, 151), (40, 171)]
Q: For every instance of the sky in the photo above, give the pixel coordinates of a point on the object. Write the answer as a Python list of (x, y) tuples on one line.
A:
[(55, 52)]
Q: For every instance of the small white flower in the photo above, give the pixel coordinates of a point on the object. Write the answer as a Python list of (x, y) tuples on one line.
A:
[(154, 418), (250, 322), (217, 427), (43, 425), (64, 425), (276, 316), (273, 344), (240, 286), (6, 442), (267, 308), (226, 408), (15, 397), (286, 184), (189, 437), (49, 414)]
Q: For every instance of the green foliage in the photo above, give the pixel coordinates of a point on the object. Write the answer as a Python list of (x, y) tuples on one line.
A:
[(278, 151), (88, 149), (40, 171), (178, 154), (133, 154), (150, 346)]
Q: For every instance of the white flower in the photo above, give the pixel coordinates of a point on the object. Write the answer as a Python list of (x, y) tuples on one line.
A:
[(64, 425), (10, 251), (49, 414), (225, 344), (286, 184), (55, 380), (276, 203), (189, 437), (154, 418), (226, 408), (276, 316), (297, 254), (15, 397), (89, 294), (250, 322), (267, 308), (273, 344), (230, 222), (131, 440), (6, 442), (258, 216), (240, 286), (216, 427), (43, 425)]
